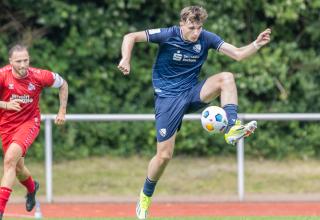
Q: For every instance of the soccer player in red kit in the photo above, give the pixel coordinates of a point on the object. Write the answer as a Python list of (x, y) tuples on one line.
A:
[(20, 88)]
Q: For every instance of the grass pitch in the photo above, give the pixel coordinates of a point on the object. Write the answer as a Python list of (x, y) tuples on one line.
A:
[(185, 218), (214, 177)]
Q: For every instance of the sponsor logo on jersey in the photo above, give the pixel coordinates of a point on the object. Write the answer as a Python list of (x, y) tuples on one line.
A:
[(11, 86), (31, 87), (197, 48), (163, 132), (190, 59), (177, 56), (24, 98)]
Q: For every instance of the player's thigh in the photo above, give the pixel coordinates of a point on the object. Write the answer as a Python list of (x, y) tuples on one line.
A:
[(6, 140), (169, 115), (214, 84), (194, 101), (26, 134), (165, 148), (12, 155)]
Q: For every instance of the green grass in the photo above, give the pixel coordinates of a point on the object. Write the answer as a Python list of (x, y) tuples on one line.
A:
[(212, 178), (188, 218)]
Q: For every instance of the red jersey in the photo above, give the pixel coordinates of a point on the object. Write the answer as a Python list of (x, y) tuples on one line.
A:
[(27, 89)]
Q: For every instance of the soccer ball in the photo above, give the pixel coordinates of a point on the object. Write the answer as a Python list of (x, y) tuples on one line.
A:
[(214, 119)]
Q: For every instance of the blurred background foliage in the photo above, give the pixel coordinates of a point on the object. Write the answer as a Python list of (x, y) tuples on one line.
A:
[(81, 40)]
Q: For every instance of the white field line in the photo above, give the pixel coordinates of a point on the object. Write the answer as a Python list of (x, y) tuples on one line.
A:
[(18, 215)]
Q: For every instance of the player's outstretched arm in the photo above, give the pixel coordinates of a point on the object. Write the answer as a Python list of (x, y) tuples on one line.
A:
[(63, 97), (126, 49), (246, 51)]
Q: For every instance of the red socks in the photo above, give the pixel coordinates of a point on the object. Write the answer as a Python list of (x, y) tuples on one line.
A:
[(29, 184), (4, 197), (6, 192)]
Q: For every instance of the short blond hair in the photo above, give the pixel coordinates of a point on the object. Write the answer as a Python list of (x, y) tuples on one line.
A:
[(194, 14)]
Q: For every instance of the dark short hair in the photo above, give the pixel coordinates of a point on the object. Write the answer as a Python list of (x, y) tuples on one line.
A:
[(193, 14), (17, 47)]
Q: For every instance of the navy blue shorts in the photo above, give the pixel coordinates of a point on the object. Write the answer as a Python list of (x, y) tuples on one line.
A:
[(170, 111)]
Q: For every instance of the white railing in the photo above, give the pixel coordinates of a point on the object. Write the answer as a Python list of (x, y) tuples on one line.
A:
[(150, 117)]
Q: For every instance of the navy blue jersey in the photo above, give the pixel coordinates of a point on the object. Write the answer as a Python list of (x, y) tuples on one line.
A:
[(179, 62)]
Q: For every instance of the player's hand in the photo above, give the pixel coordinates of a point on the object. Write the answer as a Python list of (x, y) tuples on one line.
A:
[(263, 38), (14, 105), (60, 119), (124, 66)]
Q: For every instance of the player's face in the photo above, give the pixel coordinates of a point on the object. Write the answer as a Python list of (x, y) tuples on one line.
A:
[(191, 31), (20, 62)]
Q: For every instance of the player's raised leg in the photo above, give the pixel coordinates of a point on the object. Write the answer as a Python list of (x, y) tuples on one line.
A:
[(223, 84), (156, 168)]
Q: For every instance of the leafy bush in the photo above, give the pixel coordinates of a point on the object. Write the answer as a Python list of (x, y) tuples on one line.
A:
[(82, 41)]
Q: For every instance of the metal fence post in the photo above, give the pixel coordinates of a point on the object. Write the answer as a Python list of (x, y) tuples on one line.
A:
[(240, 158), (48, 157)]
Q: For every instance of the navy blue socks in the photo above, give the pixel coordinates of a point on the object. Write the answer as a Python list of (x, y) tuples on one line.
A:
[(149, 187), (232, 115)]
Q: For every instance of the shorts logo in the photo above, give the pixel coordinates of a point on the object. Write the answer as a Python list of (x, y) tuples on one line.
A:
[(197, 48), (163, 132), (11, 86), (31, 87)]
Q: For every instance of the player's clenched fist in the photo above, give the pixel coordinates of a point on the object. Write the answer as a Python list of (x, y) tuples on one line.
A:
[(60, 119), (124, 67), (263, 38)]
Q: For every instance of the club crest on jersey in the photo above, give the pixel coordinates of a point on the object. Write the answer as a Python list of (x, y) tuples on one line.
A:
[(31, 87), (11, 86), (197, 48), (163, 132)]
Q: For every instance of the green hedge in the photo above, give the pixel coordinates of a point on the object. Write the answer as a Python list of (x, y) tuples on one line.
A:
[(82, 40)]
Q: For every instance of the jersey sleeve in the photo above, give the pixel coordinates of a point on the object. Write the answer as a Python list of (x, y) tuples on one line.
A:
[(213, 41), (47, 78), (159, 35)]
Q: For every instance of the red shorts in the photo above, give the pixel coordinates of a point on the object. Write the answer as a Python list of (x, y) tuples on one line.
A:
[(24, 136)]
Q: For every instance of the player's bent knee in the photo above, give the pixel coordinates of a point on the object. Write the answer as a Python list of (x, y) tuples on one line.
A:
[(164, 156), (227, 77), (9, 163)]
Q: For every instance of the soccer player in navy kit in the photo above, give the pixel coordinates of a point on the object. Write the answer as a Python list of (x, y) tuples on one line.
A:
[(182, 51)]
